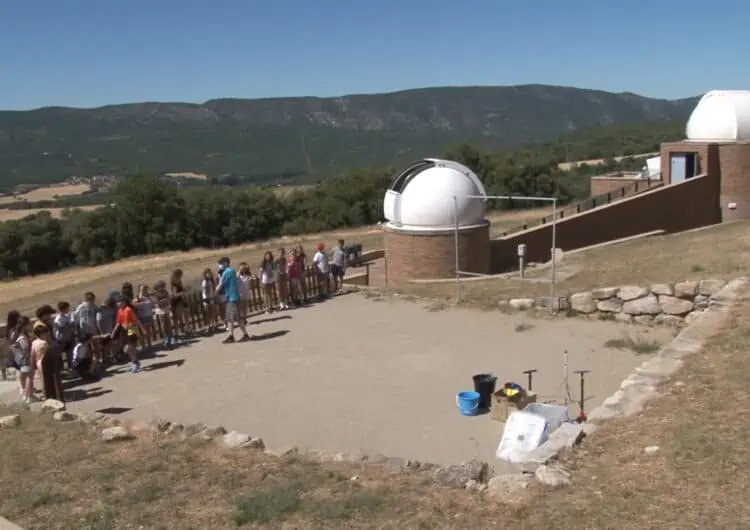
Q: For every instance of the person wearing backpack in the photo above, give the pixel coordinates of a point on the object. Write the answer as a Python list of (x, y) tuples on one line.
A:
[(21, 350)]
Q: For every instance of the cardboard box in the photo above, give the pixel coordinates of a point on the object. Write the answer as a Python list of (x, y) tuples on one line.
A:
[(503, 406)]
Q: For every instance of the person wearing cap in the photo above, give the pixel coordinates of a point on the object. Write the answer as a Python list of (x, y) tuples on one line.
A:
[(229, 286)]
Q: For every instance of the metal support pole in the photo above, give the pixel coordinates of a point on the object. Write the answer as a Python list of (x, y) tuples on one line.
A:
[(455, 249), (553, 302)]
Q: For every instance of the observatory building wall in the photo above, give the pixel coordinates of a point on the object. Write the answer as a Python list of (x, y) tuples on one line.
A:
[(419, 254)]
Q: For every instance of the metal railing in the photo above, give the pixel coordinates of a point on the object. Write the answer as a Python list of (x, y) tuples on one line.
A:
[(631, 189)]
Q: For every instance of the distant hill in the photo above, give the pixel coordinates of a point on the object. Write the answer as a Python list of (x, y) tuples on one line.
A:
[(293, 139)]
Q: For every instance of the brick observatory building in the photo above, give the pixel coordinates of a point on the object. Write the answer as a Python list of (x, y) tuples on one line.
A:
[(699, 181), (425, 207)]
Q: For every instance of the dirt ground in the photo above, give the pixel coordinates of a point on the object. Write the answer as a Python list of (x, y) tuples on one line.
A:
[(354, 374), (47, 193), (698, 477), (12, 215)]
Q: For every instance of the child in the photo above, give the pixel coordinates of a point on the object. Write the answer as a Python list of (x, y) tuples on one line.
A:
[(106, 317), (294, 275), (268, 280), (338, 266), (282, 288), (22, 358), (208, 297), (179, 304), (46, 356), (221, 299), (320, 260), (163, 305), (302, 257), (128, 326), (145, 305), (83, 362), (245, 278), (63, 330)]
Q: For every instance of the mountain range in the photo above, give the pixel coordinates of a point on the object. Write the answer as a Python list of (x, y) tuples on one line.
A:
[(283, 139)]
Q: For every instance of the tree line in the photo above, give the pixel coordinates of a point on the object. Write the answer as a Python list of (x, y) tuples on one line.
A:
[(148, 215)]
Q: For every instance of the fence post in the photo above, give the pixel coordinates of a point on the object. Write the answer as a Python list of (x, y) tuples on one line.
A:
[(367, 274)]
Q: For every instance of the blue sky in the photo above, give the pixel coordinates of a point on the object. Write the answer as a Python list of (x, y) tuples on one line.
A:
[(89, 53)]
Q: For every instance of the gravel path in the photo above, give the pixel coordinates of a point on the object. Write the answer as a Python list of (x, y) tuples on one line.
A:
[(354, 374)]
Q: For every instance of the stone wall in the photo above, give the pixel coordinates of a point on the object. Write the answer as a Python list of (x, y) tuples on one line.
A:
[(671, 304), (664, 303)]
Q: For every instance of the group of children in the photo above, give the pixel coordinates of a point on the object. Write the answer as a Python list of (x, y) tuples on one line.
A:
[(93, 335)]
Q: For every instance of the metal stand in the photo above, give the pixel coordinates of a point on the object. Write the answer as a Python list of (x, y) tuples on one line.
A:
[(529, 375), (582, 400)]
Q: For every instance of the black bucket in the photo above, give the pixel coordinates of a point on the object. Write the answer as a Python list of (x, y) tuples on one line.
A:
[(485, 385)]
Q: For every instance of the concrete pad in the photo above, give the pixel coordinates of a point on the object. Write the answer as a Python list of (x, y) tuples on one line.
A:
[(353, 375)]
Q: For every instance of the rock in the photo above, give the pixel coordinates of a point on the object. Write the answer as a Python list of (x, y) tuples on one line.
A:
[(12, 420), (583, 303), (710, 287), (686, 289), (115, 434), (192, 429), (648, 305), (604, 292), (395, 463), (553, 475), (631, 292), (671, 305), (651, 449), (209, 433), (53, 405), (669, 320), (90, 417), (610, 305), (235, 439), (159, 425), (664, 289), (175, 428), (622, 317), (458, 475), (643, 320), (692, 317), (521, 304), (564, 437), (63, 415), (36, 407), (255, 443), (472, 484), (701, 301), (503, 484)]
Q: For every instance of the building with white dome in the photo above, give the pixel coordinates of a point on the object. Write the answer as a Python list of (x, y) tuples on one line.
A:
[(717, 144), (423, 207)]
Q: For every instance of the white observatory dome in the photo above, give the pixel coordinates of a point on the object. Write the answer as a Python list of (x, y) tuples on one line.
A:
[(721, 116), (422, 196)]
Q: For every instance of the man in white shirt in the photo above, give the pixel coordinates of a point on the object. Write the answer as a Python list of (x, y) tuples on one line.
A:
[(320, 260)]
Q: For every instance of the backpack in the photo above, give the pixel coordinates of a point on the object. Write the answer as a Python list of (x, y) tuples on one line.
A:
[(21, 353)]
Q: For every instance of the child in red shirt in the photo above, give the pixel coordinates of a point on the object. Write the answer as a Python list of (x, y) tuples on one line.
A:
[(128, 323)]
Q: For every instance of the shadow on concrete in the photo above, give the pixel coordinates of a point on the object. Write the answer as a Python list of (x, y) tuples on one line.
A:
[(163, 364), (82, 394), (114, 410), (269, 335), (269, 319)]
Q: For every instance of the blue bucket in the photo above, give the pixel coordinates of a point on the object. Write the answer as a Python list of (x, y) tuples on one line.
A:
[(468, 403)]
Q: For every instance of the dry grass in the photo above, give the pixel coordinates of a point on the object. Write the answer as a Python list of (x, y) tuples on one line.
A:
[(47, 193), (63, 477), (188, 175), (12, 215), (26, 294), (567, 166), (721, 251)]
